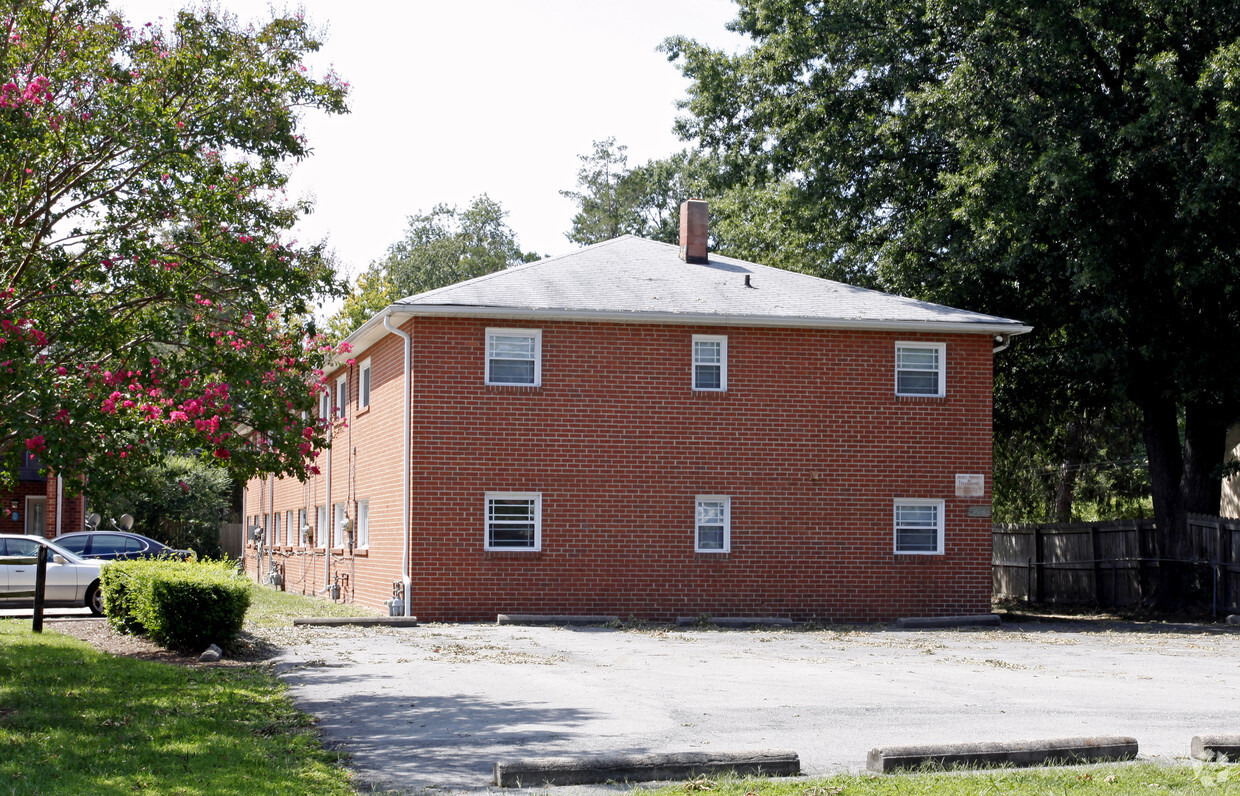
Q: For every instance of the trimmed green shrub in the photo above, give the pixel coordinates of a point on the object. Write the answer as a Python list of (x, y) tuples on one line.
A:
[(183, 605), (120, 582)]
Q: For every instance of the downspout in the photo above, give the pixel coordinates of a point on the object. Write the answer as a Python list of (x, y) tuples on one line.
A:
[(60, 499), (330, 512), (269, 531), (405, 579)]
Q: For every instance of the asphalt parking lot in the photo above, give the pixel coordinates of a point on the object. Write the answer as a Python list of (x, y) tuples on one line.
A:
[(435, 706)]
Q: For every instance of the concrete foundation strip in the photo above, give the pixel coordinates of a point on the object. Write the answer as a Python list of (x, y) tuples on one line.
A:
[(553, 619), (734, 621), (1216, 747), (358, 621), (536, 772), (927, 622), (1011, 753)]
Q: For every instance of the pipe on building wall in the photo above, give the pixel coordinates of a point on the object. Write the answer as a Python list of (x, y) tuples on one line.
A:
[(330, 513), (60, 500), (405, 578)]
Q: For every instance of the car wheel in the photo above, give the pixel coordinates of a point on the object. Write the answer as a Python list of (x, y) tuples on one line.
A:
[(94, 599)]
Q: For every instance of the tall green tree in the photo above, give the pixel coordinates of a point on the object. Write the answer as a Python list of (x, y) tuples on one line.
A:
[(151, 297), (440, 248), (179, 501), (614, 199), (748, 221), (1075, 165)]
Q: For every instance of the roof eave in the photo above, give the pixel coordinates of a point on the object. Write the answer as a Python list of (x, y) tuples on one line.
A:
[(996, 326)]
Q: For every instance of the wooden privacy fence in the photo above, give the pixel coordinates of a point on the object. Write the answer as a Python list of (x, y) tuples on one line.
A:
[(1110, 563)]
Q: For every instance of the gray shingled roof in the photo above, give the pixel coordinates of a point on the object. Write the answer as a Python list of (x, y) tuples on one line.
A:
[(631, 278)]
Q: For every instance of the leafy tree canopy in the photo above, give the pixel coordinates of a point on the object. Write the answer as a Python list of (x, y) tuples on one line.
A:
[(749, 221), (614, 199), (179, 501), (151, 298), (1074, 165), (440, 248)]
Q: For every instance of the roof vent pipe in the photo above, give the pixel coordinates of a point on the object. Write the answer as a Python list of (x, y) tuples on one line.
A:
[(693, 231)]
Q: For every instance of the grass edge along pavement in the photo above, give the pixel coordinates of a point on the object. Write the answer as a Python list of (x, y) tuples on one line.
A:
[(76, 720), (1111, 779)]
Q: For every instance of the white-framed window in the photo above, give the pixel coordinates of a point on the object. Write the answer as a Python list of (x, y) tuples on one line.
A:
[(713, 524), (338, 525), (363, 385), (301, 523), (514, 356), (290, 530), (710, 362), (918, 526), (325, 403), (342, 397), (362, 526), (275, 529), (513, 521), (321, 524), (267, 529), (919, 368)]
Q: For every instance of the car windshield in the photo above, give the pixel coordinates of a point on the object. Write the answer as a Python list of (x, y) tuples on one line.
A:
[(29, 546)]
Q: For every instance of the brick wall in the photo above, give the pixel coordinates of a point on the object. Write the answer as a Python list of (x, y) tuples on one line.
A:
[(809, 441)]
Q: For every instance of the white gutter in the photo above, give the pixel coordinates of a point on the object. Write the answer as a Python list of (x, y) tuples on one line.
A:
[(405, 578)]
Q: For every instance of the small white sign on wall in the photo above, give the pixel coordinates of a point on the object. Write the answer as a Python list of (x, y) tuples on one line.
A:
[(970, 485)]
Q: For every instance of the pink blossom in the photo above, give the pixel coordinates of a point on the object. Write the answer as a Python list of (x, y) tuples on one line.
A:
[(36, 443)]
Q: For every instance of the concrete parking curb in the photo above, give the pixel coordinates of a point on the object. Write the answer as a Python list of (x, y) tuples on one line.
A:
[(927, 622), (552, 619), (1215, 747), (536, 772), (1101, 749), (357, 621)]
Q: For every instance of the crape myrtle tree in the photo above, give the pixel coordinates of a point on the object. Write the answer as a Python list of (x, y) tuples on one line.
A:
[(1073, 165), (445, 246), (151, 298)]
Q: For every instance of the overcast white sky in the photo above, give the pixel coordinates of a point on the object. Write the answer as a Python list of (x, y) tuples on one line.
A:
[(454, 98)]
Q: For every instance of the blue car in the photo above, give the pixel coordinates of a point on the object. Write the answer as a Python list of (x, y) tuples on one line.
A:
[(112, 545)]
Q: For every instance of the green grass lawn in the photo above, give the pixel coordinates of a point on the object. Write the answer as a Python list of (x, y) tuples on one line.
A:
[(273, 608), (76, 721), (1114, 780)]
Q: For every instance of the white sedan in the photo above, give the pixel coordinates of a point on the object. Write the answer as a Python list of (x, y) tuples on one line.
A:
[(72, 582)]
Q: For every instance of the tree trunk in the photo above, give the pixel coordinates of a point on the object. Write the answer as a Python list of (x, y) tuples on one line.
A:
[(1069, 470), (1185, 479)]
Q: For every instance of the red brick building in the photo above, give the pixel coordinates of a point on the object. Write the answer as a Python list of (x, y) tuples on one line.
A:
[(39, 504), (636, 430)]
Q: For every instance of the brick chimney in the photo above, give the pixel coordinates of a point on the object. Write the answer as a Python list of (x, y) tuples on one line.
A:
[(693, 225)]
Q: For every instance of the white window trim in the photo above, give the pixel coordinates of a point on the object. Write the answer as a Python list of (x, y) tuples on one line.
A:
[(536, 334), (722, 339), (325, 404), (276, 541), (301, 522), (942, 369), (365, 384), (486, 519), (28, 517), (322, 518), (340, 513), (895, 528), (727, 523), (361, 524), (342, 397)]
